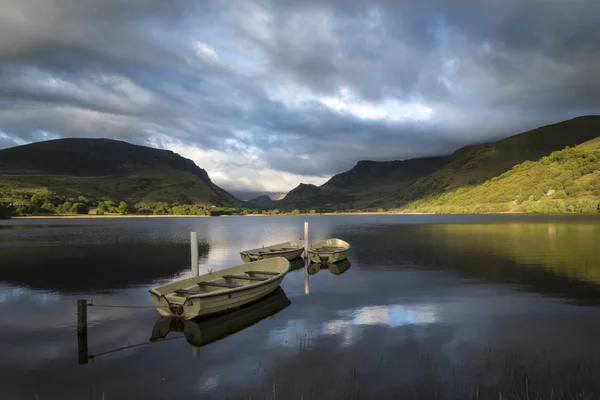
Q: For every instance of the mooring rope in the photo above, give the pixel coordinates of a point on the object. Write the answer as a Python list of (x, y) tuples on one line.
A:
[(122, 306), (91, 357)]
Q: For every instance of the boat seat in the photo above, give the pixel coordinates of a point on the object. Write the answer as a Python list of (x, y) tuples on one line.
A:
[(248, 278), (220, 284), (188, 291), (263, 273)]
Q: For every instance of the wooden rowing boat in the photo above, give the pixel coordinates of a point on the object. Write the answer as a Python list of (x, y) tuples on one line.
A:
[(289, 250), (207, 330), (329, 251), (220, 291)]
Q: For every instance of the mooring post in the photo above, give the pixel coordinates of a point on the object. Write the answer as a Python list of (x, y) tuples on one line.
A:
[(195, 351), (306, 258), (81, 316), (194, 253), (306, 282), (82, 345)]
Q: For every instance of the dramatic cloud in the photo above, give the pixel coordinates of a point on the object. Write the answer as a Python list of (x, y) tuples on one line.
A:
[(267, 94)]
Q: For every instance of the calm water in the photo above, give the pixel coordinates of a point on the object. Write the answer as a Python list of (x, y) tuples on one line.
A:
[(430, 307)]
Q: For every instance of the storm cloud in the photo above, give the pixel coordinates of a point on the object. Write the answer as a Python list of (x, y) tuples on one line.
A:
[(268, 94)]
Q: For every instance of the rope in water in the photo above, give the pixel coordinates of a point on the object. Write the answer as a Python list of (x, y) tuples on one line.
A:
[(91, 357), (121, 306)]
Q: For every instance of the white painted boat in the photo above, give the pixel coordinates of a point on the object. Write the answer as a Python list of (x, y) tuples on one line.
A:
[(220, 291), (207, 330), (289, 250), (329, 251)]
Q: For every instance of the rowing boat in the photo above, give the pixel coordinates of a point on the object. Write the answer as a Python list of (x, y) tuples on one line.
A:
[(329, 251), (220, 291), (207, 330), (289, 250)]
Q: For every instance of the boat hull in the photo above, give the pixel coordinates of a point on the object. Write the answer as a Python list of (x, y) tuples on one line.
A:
[(289, 255), (327, 258), (204, 331), (329, 251), (288, 250), (200, 305)]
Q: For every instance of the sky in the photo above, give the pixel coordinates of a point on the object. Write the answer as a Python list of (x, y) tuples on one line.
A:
[(267, 94)]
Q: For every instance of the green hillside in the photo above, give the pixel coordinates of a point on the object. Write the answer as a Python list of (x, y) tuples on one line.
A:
[(92, 170), (564, 181), (398, 184)]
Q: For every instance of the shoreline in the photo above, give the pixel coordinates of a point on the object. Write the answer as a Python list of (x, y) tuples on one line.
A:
[(92, 216), (115, 216)]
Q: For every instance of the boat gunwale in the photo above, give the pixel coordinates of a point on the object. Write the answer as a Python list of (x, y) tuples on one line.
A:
[(314, 249), (251, 251), (280, 276)]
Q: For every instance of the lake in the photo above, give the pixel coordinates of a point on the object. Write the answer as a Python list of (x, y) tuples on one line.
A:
[(429, 307)]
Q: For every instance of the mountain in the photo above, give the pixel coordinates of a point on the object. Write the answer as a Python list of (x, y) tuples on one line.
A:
[(107, 169), (394, 184), (564, 181), (263, 201)]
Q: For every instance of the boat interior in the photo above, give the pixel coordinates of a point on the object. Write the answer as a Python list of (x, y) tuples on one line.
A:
[(330, 249), (270, 251), (224, 282)]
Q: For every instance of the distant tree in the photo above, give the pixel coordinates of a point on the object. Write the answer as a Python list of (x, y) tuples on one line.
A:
[(296, 212), (312, 212), (161, 209), (124, 208), (48, 207), (80, 208), (5, 211), (36, 201), (65, 208)]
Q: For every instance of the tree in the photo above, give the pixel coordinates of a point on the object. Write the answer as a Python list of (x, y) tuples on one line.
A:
[(123, 208), (80, 208), (65, 208), (5, 211)]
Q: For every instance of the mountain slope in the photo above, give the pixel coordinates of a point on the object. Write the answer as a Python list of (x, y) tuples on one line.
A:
[(564, 181), (263, 201), (394, 184), (107, 169)]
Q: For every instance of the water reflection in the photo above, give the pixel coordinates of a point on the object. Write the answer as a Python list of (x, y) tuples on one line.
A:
[(77, 268), (202, 332), (424, 307), (337, 268)]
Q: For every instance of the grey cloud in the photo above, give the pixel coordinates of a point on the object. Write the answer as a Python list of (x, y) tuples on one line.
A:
[(127, 69)]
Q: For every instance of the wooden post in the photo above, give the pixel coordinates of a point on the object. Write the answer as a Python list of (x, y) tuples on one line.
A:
[(306, 283), (194, 253), (82, 344), (82, 348), (195, 351), (81, 317), (306, 258)]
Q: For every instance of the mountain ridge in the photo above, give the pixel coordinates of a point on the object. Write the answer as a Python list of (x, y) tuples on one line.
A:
[(109, 169), (392, 184)]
